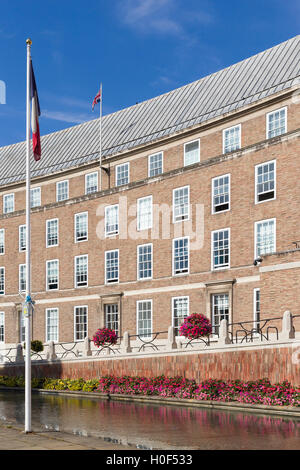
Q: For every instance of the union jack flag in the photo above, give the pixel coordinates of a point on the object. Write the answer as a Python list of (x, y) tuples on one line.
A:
[(97, 99)]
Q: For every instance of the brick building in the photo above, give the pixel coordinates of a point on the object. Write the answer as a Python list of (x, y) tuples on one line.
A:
[(198, 210)]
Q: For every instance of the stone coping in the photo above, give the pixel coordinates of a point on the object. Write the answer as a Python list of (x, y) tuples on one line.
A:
[(293, 412)]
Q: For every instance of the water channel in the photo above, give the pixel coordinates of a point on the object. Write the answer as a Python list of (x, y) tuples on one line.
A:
[(152, 426)]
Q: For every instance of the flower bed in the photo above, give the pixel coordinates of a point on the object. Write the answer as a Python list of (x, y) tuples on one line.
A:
[(254, 392)]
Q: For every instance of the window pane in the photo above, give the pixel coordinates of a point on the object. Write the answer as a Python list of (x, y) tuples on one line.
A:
[(265, 181), (22, 277), (91, 182), (265, 237), (220, 310), (122, 174), (80, 323), (181, 204), (22, 238), (52, 274), (81, 227), (276, 123), (62, 189), (52, 232), (221, 193), (220, 249), (155, 164), (112, 266), (81, 271), (232, 139), (180, 312), (112, 220), (1, 327), (145, 261), (2, 241), (8, 203), (112, 317), (2, 280), (144, 213), (35, 197), (52, 324), (191, 153), (181, 255), (144, 318), (22, 326), (256, 309)]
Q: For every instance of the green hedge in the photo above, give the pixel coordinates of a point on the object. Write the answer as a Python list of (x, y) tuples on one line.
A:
[(51, 384)]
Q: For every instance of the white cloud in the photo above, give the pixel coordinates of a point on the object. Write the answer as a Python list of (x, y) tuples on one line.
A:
[(164, 17)]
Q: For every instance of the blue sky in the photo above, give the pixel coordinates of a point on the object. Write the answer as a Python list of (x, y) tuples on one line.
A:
[(137, 48)]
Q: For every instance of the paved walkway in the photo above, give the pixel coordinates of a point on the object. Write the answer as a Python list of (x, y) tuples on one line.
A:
[(13, 438)]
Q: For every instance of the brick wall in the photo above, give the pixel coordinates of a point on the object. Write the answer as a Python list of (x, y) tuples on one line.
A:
[(275, 363)]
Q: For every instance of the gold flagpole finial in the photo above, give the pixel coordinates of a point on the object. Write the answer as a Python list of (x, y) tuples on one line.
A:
[(28, 42)]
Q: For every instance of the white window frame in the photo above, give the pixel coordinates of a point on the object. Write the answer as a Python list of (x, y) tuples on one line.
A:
[(87, 226), (268, 117), (2, 267), (56, 244), (87, 317), (2, 326), (173, 299), (2, 230), (255, 236), (184, 152), (116, 173), (46, 324), (212, 296), (57, 192), (255, 322), (186, 216), (212, 194), (149, 164), (49, 261), (32, 191), (106, 323), (139, 214), (236, 126), (21, 227), (21, 320), (137, 318), (138, 270), (256, 176), (219, 268), (105, 261), (20, 269), (75, 272), (114, 232), (173, 256), (5, 197), (86, 182)]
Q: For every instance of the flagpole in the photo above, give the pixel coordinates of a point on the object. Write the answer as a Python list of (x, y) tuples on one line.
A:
[(100, 137), (27, 304)]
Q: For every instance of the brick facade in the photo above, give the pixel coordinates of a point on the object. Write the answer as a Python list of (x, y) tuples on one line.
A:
[(278, 286)]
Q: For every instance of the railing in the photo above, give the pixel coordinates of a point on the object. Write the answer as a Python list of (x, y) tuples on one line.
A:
[(147, 341), (249, 331), (8, 355), (264, 330)]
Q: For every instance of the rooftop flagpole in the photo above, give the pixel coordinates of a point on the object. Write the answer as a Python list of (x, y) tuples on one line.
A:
[(27, 306)]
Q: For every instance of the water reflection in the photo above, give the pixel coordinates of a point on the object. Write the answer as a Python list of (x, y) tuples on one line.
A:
[(154, 426)]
